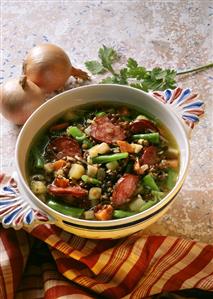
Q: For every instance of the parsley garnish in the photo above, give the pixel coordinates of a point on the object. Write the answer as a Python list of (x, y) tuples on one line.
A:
[(133, 74)]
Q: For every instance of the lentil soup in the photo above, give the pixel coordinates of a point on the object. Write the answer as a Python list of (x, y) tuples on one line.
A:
[(103, 163)]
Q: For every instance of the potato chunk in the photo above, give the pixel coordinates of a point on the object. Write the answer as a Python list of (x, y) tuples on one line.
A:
[(38, 187), (76, 171)]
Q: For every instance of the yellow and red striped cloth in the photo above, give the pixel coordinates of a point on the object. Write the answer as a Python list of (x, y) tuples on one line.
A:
[(47, 262)]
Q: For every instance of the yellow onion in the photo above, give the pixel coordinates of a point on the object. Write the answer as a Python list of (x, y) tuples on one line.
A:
[(49, 67), (19, 98)]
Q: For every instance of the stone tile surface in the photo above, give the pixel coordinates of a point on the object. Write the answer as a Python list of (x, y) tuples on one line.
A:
[(172, 34)]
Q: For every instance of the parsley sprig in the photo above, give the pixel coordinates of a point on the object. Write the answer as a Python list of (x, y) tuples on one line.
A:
[(133, 74)]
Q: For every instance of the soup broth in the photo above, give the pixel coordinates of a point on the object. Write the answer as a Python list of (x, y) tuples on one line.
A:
[(101, 163)]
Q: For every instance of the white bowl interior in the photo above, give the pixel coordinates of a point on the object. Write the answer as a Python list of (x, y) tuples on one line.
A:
[(106, 94)]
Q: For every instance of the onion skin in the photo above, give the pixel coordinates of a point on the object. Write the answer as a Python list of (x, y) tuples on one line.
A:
[(78, 73), (19, 98), (49, 67)]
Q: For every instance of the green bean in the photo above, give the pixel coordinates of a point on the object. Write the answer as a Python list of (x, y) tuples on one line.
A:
[(37, 152), (157, 195), (100, 114), (152, 137), (38, 159), (122, 214), (65, 209), (76, 133), (171, 179), (148, 205), (89, 180), (81, 138), (87, 143), (125, 118), (149, 182), (129, 167), (109, 158)]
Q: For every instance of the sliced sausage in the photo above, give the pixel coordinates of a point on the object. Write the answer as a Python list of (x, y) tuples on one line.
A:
[(104, 130), (124, 189), (64, 146), (142, 125), (150, 156), (75, 191), (59, 127)]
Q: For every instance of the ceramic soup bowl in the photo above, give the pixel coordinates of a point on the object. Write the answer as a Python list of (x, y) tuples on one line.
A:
[(177, 109)]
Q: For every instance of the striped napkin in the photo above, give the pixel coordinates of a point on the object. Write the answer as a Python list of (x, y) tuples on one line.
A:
[(47, 262)]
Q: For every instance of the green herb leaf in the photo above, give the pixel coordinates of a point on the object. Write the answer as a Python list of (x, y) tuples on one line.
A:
[(109, 80), (133, 74), (108, 56), (123, 76), (139, 85), (94, 67), (132, 63)]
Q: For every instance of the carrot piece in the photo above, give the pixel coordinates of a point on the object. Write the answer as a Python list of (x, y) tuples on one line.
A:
[(125, 147), (173, 163), (104, 213), (140, 169), (61, 182), (59, 164)]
